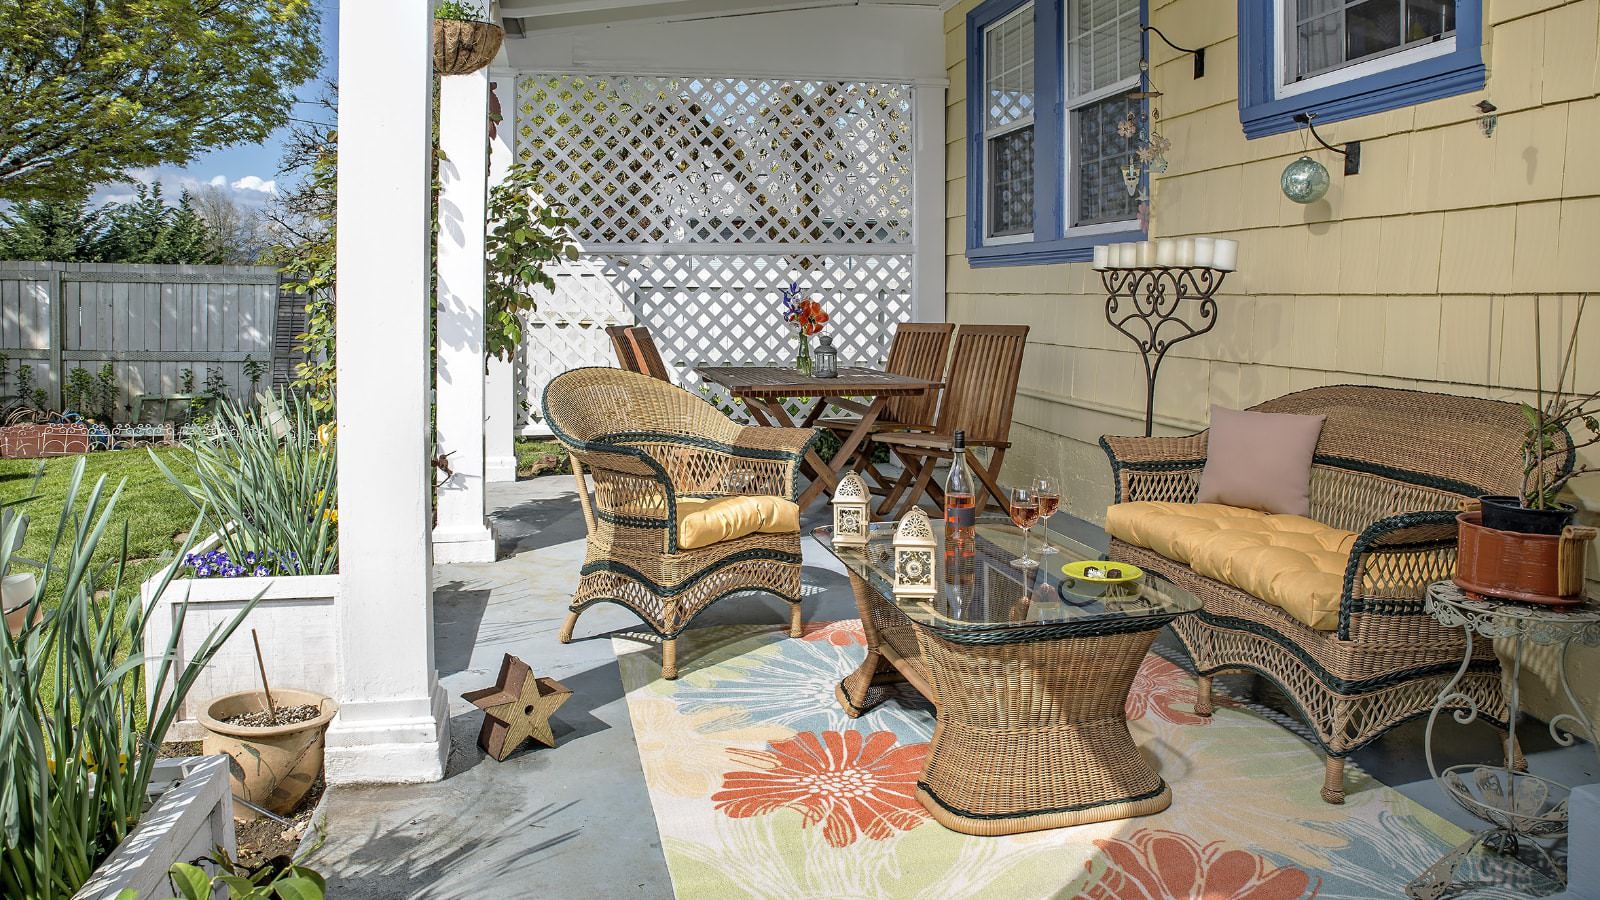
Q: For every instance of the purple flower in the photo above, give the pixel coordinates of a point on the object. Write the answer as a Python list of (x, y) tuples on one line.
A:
[(261, 572)]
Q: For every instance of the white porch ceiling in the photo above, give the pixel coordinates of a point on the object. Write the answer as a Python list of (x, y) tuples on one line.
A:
[(546, 15)]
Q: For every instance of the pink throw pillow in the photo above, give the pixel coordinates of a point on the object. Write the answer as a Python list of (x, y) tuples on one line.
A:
[(1260, 460)]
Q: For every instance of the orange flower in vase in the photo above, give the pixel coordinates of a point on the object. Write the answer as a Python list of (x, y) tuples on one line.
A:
[(805, 315)]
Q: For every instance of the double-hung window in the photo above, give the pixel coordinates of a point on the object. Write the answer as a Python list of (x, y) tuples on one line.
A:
[(1345, 58), (1049, 84)]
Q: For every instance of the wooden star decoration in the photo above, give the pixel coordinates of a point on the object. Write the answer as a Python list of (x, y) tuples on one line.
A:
[(516, 708)]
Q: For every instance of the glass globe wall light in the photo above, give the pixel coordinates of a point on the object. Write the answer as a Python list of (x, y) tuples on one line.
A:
[(1305, 180)]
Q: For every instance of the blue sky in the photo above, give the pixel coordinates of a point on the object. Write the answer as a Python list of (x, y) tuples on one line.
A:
[(250, 172)]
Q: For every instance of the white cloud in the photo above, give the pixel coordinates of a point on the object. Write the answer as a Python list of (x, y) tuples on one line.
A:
[(218, 180), (255, 183)]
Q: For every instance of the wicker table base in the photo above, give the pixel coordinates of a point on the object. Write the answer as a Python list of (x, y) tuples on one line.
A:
[(1030, 734)]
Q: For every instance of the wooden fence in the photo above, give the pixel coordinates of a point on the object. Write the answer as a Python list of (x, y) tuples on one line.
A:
[(151, 323)]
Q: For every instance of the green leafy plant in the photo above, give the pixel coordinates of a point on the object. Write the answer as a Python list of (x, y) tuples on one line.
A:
[(25, 391), (308, 264), (185, 381), (107, 392), (79, 395), (253, 370), (456, 10), (525, 236), (75, 760), (287, 882), (1550, 418), (266, 481)]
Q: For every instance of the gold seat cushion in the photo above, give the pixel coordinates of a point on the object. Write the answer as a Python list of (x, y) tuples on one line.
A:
[(703, 522), (1292, 562)]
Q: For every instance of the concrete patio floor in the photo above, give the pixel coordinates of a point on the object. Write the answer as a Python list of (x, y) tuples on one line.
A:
[(575, 821)]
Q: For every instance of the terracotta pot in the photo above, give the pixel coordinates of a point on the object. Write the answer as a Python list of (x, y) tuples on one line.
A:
[(272, 767), (461, 48), (1534, 568)]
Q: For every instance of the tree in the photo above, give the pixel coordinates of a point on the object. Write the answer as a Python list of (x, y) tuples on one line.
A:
[(147, 230), (51, 231), (93, 88), (238, 233)]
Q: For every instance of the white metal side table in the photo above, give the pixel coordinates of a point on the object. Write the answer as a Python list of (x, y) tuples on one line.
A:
[(1518, 806)]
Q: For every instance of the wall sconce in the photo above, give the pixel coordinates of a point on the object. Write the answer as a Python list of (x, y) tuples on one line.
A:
[(1351, 151), (1489, 117), (1199, 52), (1305, 180)]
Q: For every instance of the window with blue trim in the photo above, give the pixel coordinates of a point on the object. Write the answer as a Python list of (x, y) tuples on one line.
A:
[(1345, 58), (1048, 88)]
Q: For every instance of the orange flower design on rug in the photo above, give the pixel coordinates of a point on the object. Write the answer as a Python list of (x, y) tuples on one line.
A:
[(1165, 691), (1165, 865), (854, 784), (840, 634)]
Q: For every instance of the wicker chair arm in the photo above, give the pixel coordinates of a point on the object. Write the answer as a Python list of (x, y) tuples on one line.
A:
[(1391, 565), (1156, 468)]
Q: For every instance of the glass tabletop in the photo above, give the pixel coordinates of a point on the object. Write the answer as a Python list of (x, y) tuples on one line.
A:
[(987, 592)]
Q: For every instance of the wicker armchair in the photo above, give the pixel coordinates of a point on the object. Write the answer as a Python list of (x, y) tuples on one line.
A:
[(649, 448), (1392, 466)]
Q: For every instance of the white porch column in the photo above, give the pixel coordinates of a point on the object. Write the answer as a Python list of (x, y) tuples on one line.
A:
[(462, 533), (928, 187), (393, 720), (500, 413)]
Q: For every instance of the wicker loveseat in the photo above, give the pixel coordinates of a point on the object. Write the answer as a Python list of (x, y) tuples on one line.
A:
[(1391, 465), (684, 500)]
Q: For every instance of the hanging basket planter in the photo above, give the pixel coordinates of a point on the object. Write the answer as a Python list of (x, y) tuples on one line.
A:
[(463, 47)]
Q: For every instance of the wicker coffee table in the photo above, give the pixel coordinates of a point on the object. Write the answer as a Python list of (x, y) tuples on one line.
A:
[(1029, 673)]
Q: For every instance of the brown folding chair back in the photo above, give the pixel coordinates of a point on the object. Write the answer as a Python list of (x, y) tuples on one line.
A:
[(982, 385), (919, 350), (636, 351)]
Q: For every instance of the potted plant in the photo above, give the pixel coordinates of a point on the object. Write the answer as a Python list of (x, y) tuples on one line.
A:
[(85, 801), (463, 41), (1524, 547), (265, 483), (275, 740)]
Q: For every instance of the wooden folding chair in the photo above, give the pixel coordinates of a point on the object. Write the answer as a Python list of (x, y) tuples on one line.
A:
[(919, 350), (978, 397), (636, 351)]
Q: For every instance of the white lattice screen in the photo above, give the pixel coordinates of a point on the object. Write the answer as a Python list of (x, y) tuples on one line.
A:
[(698, 198)]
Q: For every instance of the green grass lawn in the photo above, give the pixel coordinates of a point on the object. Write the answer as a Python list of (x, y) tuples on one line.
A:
[(536, 458), (157, 515)]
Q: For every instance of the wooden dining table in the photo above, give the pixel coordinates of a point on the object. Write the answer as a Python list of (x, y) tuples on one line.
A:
[(764, 388)]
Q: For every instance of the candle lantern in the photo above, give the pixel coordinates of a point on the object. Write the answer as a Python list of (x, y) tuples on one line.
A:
[(825, 359), (913, 556), (850, 515)]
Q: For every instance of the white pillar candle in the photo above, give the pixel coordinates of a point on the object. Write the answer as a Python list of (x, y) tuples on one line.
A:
[(1102, 257), (1146, 254), (1204, 251), (1225, 255), (17, 590), (1166, 253), (1122, 255), (1185, 252)]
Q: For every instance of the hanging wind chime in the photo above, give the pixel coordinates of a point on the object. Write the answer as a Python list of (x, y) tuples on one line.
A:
[(1150, 147)]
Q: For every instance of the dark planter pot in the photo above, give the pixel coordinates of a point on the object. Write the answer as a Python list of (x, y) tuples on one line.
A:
[(1508, 514), (461, 48), (1546, 569)]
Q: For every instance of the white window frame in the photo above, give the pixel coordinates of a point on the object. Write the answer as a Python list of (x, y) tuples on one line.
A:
[(990, 239), (1284, 86), (1069, 169)]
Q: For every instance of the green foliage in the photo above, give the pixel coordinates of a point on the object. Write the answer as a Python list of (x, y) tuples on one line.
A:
[(79, 393), (63, 230), (1551, 420), (525, 236), (93, 89), (290, 882), (267, 481), (107, 392), (75, 764), (146, 229), (459, 11), (307, 260), (535, 458), (253, 370)]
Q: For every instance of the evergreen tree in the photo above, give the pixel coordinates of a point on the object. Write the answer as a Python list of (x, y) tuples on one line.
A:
[(147, 230), (51, 231)]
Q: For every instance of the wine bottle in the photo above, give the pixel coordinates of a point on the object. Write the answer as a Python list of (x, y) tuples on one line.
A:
[(960, 502)]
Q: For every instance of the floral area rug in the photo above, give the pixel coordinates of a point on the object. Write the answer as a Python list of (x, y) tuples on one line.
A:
[(762, 787)]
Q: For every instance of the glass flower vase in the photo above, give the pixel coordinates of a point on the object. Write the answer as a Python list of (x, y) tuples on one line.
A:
[(802, 354)]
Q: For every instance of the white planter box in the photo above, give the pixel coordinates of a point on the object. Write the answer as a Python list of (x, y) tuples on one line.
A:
[(191, 816), (295, 620)]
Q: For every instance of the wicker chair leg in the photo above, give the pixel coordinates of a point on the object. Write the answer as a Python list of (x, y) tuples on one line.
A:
[(565, 636), (1202, 697), (1333, 780), (669, 659), (797, 625)]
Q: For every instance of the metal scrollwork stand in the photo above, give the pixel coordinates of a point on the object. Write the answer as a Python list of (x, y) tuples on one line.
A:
[(1145, 304), (1520, 807)]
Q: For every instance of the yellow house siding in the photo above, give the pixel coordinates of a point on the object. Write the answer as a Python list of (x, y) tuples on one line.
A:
[(1421, 272)]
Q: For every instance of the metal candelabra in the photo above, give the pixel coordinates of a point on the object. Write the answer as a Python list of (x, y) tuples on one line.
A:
[(1147, 305)]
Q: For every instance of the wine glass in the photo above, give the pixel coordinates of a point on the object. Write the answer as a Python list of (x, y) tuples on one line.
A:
[(1049, 493), (1024, 509)]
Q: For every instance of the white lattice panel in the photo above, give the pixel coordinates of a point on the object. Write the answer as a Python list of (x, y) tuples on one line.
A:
[(698, 199)]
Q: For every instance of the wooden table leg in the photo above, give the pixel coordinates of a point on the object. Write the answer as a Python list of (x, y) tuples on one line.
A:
[(847, 450), (769, 411), (1033, 735)]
